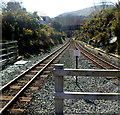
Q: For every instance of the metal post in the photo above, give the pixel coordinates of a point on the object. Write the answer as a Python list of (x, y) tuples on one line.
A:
[(76, 67), (59, 103)]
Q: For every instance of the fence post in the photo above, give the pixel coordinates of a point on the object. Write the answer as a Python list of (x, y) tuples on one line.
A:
[(59, 103)]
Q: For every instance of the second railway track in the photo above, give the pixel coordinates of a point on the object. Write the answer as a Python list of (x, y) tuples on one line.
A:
[(12, 90), (101, 63)]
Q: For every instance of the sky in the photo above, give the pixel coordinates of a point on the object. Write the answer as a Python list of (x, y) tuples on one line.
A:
[(53, 8)]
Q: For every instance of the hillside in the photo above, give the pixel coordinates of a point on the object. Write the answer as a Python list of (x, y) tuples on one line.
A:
[(77, 17), (102, 30), (86, 11)]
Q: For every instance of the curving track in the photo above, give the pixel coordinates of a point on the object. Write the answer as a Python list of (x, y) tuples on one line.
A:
[(101, 63), (96, 59)]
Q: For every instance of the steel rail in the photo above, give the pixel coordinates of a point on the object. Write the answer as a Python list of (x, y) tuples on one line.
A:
[(23, 88), (100, 50), (91, 58), (115, 67), (16, 78)]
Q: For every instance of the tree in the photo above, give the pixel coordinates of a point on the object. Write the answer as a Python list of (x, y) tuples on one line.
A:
[(101, 28), (25, 27), (117, 25)]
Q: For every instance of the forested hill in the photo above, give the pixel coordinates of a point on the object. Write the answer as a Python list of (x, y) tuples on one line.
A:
[(103, 30), (28, 29)]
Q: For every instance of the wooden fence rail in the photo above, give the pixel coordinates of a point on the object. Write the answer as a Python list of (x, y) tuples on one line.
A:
[(60, 95), (8, 52)]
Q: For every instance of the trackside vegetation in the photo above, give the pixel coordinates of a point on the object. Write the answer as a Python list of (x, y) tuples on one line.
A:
[(103, 30), (33, 37)]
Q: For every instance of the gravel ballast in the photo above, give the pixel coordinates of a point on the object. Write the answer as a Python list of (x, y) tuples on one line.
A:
[(43, 99), (13, 70)]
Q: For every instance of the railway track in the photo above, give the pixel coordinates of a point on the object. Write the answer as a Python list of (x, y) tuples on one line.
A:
[(12, 91), (101, 63)]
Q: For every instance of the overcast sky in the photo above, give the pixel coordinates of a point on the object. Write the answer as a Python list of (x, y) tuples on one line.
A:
[(53, 8)]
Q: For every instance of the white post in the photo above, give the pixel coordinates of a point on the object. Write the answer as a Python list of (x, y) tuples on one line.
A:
[(59, 103)]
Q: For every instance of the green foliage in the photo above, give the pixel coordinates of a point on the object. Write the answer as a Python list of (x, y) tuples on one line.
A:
[(25, 27), (100, 28)]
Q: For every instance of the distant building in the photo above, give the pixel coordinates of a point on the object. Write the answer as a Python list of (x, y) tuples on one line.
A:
[(45, 19)]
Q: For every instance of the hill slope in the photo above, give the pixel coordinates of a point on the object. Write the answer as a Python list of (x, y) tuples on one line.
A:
[(102, 30), (86, 11), (77, 17)]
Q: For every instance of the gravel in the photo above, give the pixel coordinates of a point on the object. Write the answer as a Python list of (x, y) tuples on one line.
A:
[(43, 99), (13, 70)]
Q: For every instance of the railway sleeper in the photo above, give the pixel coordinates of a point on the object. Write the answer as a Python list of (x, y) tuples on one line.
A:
[(50, 67), (15, 87), (25, 99), (18, 87), (34, 71), (42, 64), (23, 81), (8, 98), (39, 67), (34, 88), (43, 76), (46, 72), (28, 75), (16, 111)]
